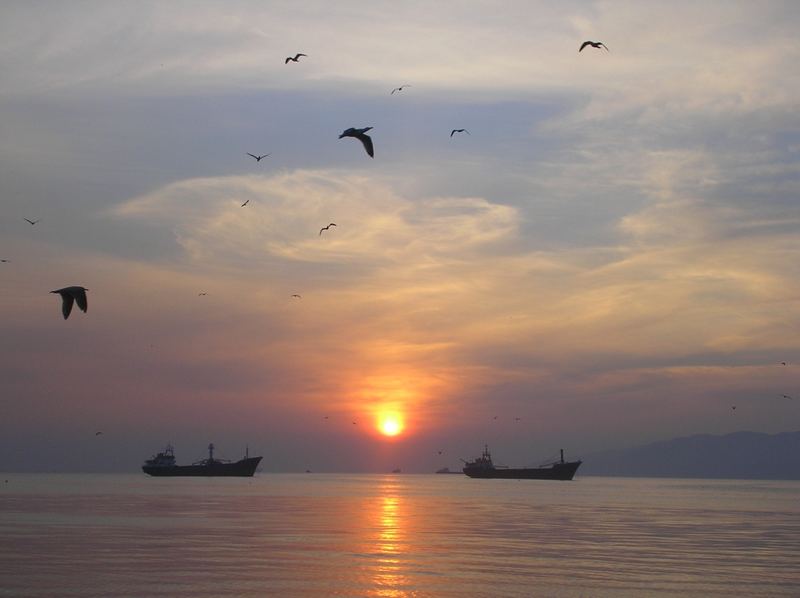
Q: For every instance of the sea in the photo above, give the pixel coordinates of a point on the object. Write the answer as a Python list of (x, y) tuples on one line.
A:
[(395, 535)]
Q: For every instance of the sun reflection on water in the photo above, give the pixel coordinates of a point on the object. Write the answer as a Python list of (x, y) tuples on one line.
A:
[(390, 548)]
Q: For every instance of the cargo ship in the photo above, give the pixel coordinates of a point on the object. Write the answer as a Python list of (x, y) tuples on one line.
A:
[(447, 470), (163, 464), (482, 467)]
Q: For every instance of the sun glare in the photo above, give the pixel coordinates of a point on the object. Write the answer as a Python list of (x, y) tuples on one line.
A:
[(390, 425)]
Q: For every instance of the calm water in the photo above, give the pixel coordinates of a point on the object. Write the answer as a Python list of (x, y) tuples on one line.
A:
[(396, 535)]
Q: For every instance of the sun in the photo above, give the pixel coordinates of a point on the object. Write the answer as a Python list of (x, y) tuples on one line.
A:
[(390, 425)]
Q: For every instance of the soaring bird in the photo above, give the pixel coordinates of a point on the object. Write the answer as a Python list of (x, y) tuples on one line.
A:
[(97, 433), (296, 296), (32, 222), (245, 203), (70, 295), (359, 134), (788, 397), (597, 45), (454, 131), (5, 261), (258, 158), (202, 294), (401, 88), (295, 59), (326, 227)]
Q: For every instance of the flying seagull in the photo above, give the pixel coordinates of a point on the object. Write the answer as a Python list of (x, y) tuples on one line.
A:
[(359, 134), (258, 158), (401, 88), (245, 203), (296, 296), (326, 227), (788, 397), (454, 131), (597, 45), (202, 294), (70, 295), (5, 261), (97, 433), (295, 59), (32, 222)]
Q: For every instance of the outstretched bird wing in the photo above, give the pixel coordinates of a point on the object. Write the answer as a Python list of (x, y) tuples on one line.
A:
[(80, 299), (583, 45), (66, 304), (366, 140), (251, 155), (288, 58)]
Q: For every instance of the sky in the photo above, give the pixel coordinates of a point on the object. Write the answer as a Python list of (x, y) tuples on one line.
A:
[(609, 258)]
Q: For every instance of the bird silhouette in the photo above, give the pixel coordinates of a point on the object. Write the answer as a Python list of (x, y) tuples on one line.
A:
[(401, 88), (454, 131), (788, 397), (597, 45), (783, 363), (32, 222), (245, 203), (297, 296), (733, 407), (326, 227), (97, 433), (359, 134), (440, 452), (202, 294), (5, 261), (69, 295), (295, 59), (258, 158)]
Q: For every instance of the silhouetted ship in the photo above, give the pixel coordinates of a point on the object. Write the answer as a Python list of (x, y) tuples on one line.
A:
[(447, 470), (482, 467), (163, 464)]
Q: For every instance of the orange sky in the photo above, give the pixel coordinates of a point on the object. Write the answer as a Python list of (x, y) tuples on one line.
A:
[(609, 258)]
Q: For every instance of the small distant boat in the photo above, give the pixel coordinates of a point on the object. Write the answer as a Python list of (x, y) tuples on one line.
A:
[(482, 467), (396, 470), (447, 470), (163, 465)]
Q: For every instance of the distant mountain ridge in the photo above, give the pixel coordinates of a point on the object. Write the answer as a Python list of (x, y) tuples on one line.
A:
[(740, 455)]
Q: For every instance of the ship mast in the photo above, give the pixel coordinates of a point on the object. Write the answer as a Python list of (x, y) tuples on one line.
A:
[(211, 452)]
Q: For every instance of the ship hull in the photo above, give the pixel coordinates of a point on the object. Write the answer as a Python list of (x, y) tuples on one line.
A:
[(244, 468), (559, 471)]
